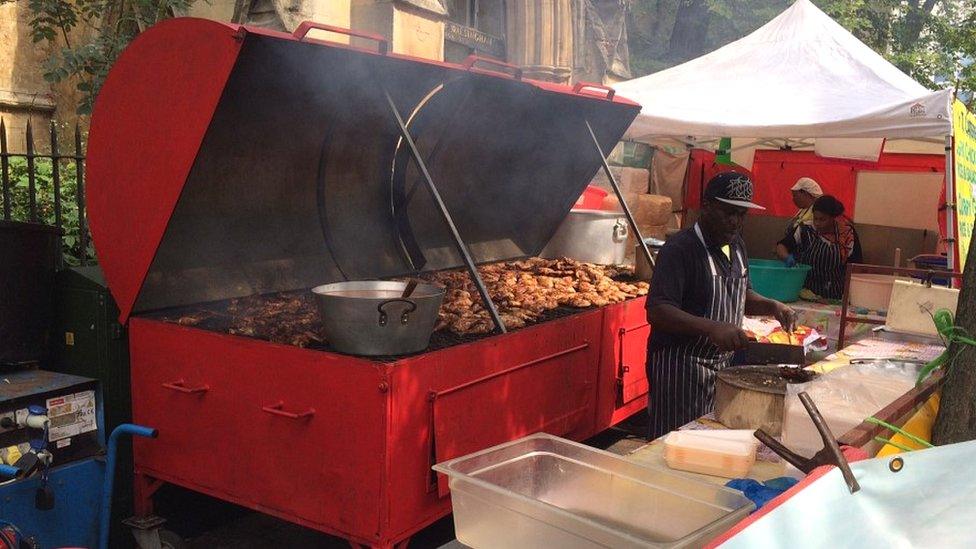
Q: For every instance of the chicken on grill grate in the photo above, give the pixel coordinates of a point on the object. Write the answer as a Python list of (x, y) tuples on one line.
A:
[(524, 290)]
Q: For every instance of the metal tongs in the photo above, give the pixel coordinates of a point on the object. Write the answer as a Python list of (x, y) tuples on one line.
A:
[(829, 455)]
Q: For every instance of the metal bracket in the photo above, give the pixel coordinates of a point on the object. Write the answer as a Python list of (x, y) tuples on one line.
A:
[(620, 197), (146, 530), (829, 455), (462, 248)]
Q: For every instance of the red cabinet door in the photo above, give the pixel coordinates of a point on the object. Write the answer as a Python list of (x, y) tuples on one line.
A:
[(631, 365)]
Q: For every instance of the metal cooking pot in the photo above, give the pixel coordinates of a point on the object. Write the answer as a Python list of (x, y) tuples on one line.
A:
[(596, 236), (370, 318)]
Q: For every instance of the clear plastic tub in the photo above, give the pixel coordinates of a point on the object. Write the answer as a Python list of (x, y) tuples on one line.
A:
[(729, 454), (544, 491)]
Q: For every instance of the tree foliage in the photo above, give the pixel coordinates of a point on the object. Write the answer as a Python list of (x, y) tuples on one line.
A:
[(88, 35), (44, 202), (934, 41)]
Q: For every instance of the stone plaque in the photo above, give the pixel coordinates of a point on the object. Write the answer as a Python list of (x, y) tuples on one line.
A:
[(474, 39)]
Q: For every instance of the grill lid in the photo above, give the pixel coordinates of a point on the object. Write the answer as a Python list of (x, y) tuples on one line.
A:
[(227, 161)]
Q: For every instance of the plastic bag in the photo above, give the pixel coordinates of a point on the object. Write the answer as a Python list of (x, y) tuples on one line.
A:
[(845, 397)]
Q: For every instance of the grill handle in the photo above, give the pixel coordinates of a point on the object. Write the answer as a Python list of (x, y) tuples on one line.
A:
[(306, 26), (180, 386), (581, 87), (404, 317), (276, 409), (472, 60)]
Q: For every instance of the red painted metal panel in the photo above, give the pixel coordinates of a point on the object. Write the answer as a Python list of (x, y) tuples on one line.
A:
[(325, 469), (370, 431), (632, 341), (146, 128), (623, 377), (491, 391), (553, 393), (774, 172)]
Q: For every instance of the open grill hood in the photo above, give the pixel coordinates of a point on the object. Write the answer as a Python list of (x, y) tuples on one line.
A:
[(227, 161)]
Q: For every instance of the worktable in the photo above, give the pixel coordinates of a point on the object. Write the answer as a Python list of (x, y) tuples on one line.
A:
[(904, 347)]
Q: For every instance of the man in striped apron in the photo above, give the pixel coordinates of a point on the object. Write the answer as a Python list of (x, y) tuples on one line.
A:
[(699, 295)]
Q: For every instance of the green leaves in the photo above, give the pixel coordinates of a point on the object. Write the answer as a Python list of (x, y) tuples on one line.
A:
[(115, 24), (934, 41), (44, 186)]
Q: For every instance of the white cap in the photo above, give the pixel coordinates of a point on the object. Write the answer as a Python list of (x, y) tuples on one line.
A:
[(808, 185)]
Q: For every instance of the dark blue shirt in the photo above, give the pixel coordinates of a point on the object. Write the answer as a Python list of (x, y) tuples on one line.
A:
[(683, 278)]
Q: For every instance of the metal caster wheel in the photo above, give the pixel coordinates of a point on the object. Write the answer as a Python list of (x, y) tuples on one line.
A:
[(169, 539)]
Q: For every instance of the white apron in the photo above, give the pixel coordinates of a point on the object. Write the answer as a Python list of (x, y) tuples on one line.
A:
[(682, 377)]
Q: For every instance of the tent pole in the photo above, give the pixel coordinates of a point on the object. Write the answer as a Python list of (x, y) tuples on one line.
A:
[(620, 196), (950, 207)]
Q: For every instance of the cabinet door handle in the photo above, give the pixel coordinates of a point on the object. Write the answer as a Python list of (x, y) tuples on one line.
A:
[(180, 386), (276, 409)]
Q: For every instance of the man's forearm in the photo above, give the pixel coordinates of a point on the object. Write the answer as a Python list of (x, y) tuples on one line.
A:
[(782, 251), (758, 305), (679, 322)]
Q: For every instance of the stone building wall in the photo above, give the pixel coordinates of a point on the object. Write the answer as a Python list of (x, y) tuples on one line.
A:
[(24, 94), (23, 91), (553, 40)]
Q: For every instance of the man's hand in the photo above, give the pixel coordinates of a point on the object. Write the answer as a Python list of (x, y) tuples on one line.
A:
[(789, 261), (786, 316), (727, 337)]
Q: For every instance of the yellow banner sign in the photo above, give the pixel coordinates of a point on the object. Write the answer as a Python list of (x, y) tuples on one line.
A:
[(964, 171)]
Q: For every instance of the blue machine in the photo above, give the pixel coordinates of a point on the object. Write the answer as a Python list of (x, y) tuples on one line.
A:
[(58, 490)]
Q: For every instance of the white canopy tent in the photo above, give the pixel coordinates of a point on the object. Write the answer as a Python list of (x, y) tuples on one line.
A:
[(801, 81), (800, 75)]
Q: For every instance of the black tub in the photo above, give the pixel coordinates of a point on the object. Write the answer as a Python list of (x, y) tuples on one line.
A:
[(29, 256)]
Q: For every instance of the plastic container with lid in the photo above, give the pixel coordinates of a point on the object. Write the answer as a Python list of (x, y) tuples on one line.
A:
[(729, 454), (871, 291), (544, 491)]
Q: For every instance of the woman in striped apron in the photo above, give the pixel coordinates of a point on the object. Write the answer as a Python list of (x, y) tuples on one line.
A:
[(699, 294), (827, 246)]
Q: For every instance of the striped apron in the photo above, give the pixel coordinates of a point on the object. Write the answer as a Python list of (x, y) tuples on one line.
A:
[(682, 377), (826, 277)]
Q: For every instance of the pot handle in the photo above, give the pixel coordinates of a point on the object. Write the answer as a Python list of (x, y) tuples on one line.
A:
[(619, 232), (384, 318)]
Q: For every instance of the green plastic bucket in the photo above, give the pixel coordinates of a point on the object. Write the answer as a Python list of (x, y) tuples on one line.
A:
[(770, 278)]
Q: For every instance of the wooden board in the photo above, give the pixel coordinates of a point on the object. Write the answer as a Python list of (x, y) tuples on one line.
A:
[(883, 199)]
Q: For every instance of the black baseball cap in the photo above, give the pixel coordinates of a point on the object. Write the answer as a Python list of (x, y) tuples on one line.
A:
[(732, 188)]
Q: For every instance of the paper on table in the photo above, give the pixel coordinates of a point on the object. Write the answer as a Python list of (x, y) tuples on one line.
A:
[(876, 348)]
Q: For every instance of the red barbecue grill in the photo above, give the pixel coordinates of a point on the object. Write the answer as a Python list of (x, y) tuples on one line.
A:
[(229, 161)]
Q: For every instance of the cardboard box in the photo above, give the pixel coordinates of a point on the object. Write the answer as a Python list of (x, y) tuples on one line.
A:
[(630, 180)]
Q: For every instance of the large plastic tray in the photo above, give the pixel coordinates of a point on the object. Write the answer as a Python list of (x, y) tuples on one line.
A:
[(544, 491)]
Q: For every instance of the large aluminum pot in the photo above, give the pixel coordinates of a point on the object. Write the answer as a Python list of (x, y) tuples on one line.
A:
[(596, 236), (370, 318)]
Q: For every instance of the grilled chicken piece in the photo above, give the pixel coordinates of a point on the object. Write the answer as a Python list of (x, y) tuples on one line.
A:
[(523, 291)]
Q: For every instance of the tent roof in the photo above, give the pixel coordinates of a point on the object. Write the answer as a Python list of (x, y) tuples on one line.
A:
[(800, 75)]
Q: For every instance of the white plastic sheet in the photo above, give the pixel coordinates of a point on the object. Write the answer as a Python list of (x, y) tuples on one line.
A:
[(800, 75), (929, 502)]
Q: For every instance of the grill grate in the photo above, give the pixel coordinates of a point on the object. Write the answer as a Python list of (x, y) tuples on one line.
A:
[(218, 319)]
